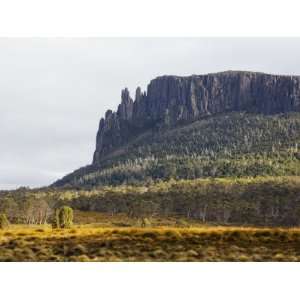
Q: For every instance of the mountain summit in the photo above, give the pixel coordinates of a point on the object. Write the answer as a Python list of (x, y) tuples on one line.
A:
[(173, 100), (196, 106)]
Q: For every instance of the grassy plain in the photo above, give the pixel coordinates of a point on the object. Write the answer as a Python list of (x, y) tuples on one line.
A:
[(92, 243)]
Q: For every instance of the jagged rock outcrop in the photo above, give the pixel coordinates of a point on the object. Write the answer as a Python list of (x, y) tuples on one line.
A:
[(172, 100), (125, 109)]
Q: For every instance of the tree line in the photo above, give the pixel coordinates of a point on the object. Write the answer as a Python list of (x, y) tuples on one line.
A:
[(262, 201)]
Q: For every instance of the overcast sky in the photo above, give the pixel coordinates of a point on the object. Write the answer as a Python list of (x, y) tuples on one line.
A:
[(54, 91)]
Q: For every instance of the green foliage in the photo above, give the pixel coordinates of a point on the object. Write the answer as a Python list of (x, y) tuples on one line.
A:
[(4, 223), (62, 217), (65, 216), (263, 201), (25, 206), (235, 144)]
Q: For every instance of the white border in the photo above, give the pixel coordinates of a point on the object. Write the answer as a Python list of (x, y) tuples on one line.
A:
[(78, 18), (149, 281)]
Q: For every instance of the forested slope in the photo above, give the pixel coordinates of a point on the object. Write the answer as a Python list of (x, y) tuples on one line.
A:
[(233, 144), (232, 123)]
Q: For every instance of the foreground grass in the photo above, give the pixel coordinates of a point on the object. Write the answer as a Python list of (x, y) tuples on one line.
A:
[(41, 243)]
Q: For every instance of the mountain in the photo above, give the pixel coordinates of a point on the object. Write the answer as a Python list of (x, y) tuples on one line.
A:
[(224, 124)]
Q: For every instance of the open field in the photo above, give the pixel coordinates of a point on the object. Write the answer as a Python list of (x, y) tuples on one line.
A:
[(225, 219), (86, 243)]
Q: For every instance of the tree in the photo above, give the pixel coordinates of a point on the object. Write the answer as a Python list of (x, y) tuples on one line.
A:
[(65, 216), (42, 211)]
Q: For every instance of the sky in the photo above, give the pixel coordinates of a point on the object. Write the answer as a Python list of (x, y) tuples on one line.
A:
[(53, 91)]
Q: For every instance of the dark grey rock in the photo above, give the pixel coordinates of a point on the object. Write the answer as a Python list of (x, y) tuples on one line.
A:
[(171, 100)]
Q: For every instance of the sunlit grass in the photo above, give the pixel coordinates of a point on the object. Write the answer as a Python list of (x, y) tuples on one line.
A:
[(209, 243)]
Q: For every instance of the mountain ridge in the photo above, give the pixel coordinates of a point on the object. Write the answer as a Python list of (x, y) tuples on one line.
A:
[(170, 100), (174, 101)]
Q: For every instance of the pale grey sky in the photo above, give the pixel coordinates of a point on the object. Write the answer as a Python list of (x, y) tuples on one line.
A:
[(54, 91)]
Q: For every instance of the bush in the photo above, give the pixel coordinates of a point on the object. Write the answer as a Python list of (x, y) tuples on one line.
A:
[(4, 223), (65, 217)]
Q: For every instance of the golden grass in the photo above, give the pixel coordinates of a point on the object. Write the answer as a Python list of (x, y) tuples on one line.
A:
[(41, 243), (98, 219)]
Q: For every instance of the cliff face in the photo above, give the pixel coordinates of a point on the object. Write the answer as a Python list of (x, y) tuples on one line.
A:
[(171, 100)]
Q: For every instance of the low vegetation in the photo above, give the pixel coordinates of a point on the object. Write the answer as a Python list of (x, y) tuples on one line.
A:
[(41, 243)]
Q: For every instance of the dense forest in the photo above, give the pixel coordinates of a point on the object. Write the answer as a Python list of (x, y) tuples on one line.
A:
[(263, 201), (226, 145)]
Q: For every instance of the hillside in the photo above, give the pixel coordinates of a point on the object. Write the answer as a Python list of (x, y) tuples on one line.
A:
[(215, 125)]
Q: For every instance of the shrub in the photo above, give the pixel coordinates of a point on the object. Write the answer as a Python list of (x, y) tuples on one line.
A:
[(4, 223), (65, 217)]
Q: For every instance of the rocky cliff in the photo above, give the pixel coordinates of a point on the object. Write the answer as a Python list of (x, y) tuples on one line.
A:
[(173, 100)]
